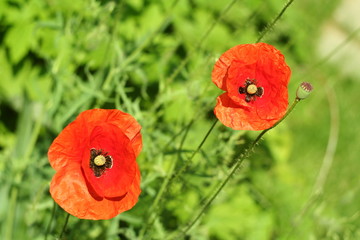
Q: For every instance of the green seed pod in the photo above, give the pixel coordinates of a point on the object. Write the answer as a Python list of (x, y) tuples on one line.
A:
[(304, 90)]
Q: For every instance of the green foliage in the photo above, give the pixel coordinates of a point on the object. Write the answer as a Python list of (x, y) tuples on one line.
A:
[(153, 59)]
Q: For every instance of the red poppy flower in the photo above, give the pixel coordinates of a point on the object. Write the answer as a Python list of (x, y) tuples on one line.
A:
[(97, 176), (255, 78)]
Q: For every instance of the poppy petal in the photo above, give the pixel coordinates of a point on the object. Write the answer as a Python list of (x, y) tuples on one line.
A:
[(67, 146), (115, 181), (68, 189), (243, 54), (239, 118), (129, 126), (237, 75)]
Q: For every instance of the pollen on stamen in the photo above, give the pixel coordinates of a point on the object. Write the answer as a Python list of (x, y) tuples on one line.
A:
[(99, 160), (251, 89)]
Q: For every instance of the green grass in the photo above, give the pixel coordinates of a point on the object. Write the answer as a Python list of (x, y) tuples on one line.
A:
[(153, 59)]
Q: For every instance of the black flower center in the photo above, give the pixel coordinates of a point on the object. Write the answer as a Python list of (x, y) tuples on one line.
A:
[(251, 90), (100, 161)]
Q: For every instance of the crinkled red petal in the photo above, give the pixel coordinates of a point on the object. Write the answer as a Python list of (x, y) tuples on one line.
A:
[(237, 75), (127, 123), (68, 189), (244, 54), (68, 146), (239, 118)]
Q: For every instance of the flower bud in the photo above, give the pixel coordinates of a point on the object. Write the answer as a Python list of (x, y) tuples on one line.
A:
[(304, 90)]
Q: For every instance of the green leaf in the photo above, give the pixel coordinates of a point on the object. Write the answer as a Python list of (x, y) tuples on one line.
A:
[(18, 39)]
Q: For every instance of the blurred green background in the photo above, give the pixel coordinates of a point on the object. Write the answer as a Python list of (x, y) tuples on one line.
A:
[(153, 59)]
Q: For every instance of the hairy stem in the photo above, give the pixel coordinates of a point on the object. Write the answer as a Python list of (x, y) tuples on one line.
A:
[(272, 24), (170, 179), (65, 225), (51, 219), (234, 168)]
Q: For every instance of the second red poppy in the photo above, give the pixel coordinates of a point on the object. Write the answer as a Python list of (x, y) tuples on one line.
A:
[(254, 78)]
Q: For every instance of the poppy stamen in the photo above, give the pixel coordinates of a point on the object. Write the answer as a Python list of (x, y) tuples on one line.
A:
[(100, 161), (251, 90)]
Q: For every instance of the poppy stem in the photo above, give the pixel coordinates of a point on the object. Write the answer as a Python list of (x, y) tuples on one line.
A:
[(153, 210), (188, 162), (277, 123), (171, 177), (272, 24), (64, 227), (51, 219), (233, 169)]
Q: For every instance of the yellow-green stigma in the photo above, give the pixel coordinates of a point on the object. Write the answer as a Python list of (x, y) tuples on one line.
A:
[(251, 89), (99, 160)]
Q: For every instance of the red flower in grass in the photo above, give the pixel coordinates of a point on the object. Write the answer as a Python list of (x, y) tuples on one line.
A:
[(97, 176), (255, 78)]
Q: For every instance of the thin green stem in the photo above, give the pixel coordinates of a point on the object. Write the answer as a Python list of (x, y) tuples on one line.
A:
[(277, 123), (171, 177), (332, 141), (152, 212), (334, 51), (327, 162), (201, 41), (51, 219), (65, 225), (189, 161), (233, 169), (272, 24)]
